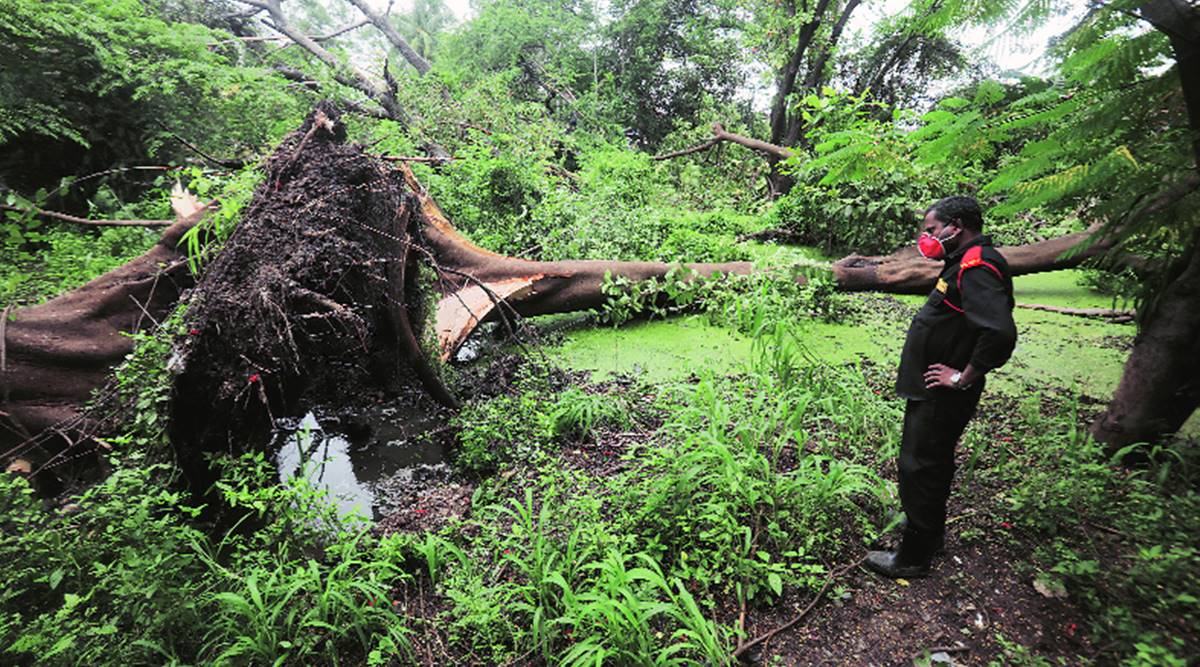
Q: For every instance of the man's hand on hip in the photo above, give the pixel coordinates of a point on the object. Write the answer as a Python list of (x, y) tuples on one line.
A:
[(941, 375)]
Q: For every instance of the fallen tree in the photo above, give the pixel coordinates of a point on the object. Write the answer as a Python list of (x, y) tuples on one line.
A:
[(54, 355), (325, 287)]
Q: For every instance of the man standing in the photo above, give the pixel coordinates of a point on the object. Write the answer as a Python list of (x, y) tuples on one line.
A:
[(964, 330)]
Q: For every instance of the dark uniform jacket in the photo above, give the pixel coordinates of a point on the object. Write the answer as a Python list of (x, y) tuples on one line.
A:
[(967, 321)]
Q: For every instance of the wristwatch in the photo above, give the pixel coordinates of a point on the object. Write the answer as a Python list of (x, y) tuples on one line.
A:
[(954, 379)]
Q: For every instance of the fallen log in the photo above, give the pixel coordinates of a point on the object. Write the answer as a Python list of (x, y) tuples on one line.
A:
[(343, 277), (1110, 314)]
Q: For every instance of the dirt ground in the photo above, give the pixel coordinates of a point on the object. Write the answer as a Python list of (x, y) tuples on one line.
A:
[(977, 591)]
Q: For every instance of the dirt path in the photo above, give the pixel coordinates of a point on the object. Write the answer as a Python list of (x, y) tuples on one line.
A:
[(979, 592)]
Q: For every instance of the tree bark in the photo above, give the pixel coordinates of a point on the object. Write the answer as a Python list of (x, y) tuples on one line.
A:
[(785, 82), (1160, 386), (53, 356), (816, 71), (767, 150)]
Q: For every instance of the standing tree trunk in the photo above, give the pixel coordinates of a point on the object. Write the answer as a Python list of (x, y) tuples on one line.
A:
[(1160, 387)]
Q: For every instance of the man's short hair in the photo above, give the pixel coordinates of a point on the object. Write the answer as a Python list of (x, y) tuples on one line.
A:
[(962, 211)]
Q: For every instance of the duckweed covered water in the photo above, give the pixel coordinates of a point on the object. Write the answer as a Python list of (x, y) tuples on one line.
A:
[(1053, 350)]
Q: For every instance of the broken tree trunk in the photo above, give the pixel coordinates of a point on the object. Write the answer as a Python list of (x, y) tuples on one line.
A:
[(325, 287), (54, 355)]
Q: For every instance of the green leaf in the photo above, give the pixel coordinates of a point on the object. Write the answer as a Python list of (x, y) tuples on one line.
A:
[(776, 583)]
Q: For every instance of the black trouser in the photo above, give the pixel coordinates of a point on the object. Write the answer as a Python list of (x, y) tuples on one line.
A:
[(931, 431)]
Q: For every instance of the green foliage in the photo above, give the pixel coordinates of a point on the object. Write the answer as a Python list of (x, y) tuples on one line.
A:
[(671, 61), (861, 191), (69, 257), (425, 24), (574, 602), (73, 68), (492, 432), (491, 195), (575, 413), (233, 193), (744, 302), (125, 577), (619, 205), (1149, 515), (736, 479), (101, 584), (143, 386), (42, 257)]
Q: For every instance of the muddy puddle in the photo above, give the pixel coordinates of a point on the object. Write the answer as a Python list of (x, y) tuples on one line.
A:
[(367, 460)]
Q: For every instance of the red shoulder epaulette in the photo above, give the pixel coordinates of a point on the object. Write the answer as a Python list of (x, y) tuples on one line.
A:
[(972, 258)]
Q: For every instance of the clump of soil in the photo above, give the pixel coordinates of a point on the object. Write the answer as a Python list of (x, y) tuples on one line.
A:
[(312, 296)]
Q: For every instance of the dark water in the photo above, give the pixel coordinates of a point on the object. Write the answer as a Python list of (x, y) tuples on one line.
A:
[(362, 458)]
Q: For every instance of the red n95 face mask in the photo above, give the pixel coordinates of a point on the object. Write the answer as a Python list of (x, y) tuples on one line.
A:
[(931, 246)]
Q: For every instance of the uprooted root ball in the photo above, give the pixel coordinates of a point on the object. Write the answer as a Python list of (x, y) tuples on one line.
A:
[(313, 295)]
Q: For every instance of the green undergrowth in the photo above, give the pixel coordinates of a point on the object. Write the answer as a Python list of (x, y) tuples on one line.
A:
[(39, 259), (127, 574), (620, 522), (1117, 543), (740, 493), (68, 257)]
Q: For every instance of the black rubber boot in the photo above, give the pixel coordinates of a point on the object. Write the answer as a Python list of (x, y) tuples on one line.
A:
[(890, 564), (911, 561)]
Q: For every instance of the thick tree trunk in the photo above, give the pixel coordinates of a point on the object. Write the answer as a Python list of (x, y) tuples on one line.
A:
[(53, 356), (1160, 387)]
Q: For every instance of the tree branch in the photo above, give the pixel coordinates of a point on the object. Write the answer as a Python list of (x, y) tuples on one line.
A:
[(54, 215), (389, 31), (720, 134), (1117, 316), (345, 74), (816, 71), (688, 151), (787, 78), (229, 164), (278, 38)]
